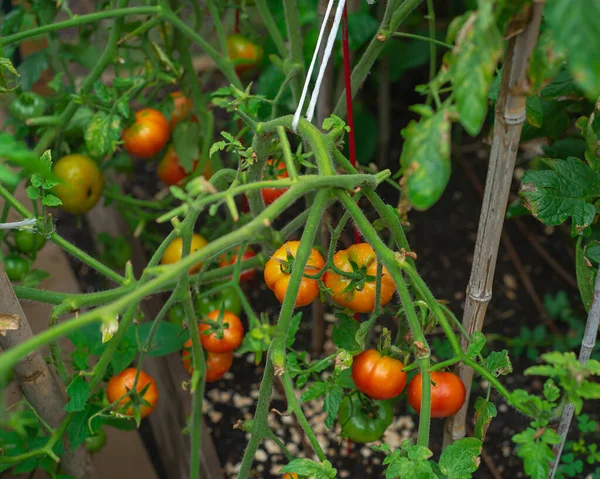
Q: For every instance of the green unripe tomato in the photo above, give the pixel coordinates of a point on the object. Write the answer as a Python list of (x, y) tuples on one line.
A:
[(226, 299), (96, 442), (28, 241), (364, 420), (177, 315), (27, 105), (16, 267)]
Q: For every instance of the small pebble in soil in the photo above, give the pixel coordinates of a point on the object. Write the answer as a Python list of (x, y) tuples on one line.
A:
[(502, 407), (271, 447), (260, 455)]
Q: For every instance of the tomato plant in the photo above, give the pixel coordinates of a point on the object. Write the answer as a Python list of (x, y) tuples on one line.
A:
[(379, 377), (96, 442), (81, 183), (364, 421), (119, 390), (357, 291), (223, 333), (447, 393), (279, 267), (148, 135), (88, 93)]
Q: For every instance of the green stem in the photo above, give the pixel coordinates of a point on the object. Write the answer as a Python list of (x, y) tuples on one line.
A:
[(292, 20), (391, 21), (425, 39), (269, 21), (432, 50), (77, 21), (287, 154)]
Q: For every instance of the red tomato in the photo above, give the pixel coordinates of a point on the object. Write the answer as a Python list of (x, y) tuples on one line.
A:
[(361, 298), (123, 382), (275, 170), (377, 376), (246, 275), (277, 276), (447, 393), (171, 173), (244, 53), (148, 135), (232, 334), (217, 364), (181, 110)]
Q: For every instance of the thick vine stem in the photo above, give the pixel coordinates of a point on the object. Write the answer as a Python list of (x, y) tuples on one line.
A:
[(394, 15), (276, 354), (388, 258), (508, 123)]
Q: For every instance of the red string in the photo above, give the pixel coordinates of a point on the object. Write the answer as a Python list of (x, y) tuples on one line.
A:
[(351, 143)]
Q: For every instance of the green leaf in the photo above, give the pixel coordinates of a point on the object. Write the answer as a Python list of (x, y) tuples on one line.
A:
[(485, 411), (479, 48), (31, 69), (78, 392), (498, 363), (102, 134), (17, 152), (585, 275), (344, 333), (78, 429), (310, 469), (551, 391), (536, 454), (534, 111), (574, 26), (185, 138), (425, 159), (105, 94), (545, 62), (561, 85), (476, 345), (7, 66), (8, 176), (556, 120), (34, 277), (409, 462), (123, 107), (167, 338), (314, 391), (293, 329), (51, 200), (460, 459), (361, 28), (566, 190), (332, 404)]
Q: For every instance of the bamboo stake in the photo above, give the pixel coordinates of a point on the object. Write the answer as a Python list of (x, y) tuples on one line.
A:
[(587, 346), (36, 381), (508, 122)]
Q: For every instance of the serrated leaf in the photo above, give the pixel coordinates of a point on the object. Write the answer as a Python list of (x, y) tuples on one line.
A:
[(534, 112), (566, 190), (344, 333), (314, 391), (185, 139), (485, 411), (573, 26), (51, 200), (7, 66), (332, 404), (460, 459), (167, 338), (30, 70), (33, 193), (477, 52), (78, 392), (105, 94), (536, 454), (476, 345), (498, 363), (102, 134), (310, 469), (551, 391), (425, 159), (293, 329)]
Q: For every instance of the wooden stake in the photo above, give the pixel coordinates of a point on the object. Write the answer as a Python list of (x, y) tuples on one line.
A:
[(508, 122)]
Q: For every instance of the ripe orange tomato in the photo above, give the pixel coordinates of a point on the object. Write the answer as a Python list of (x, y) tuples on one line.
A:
[(245, 54), (82, 183), (377, 376), (123, 382), (170, 172), (290, 475), (217, 364), (447, 393), (148, 135), (181, 110), (275, 170), (232, 334), (175, 249), (361, 298), (277, 275), (246, 275)]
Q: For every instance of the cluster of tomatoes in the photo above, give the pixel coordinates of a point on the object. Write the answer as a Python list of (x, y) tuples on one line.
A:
[(23, 250)]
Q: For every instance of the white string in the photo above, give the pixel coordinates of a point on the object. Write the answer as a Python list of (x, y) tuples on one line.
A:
[(310, 69), (325, 60)]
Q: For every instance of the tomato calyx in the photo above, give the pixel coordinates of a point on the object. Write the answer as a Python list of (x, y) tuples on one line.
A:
[(287, 265), (358, 277), (215, 326)]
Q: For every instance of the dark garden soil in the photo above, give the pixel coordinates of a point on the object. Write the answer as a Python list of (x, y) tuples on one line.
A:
[(444, 238)]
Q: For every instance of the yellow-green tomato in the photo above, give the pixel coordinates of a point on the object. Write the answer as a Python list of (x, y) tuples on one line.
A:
[(81, 183)]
